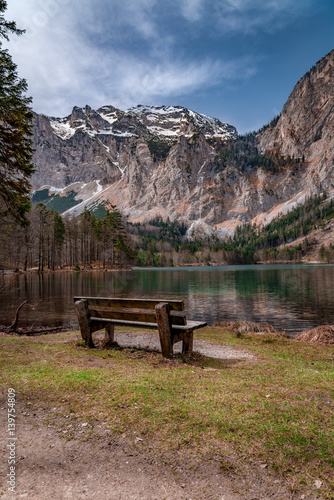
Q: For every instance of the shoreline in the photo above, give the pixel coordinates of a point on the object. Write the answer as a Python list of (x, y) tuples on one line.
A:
[(321, 334), (85, 270)]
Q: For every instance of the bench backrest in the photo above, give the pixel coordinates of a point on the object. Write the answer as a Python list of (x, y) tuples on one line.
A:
[(142, 310)]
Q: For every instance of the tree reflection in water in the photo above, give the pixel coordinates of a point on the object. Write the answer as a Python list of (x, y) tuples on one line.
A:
[(291, 297)]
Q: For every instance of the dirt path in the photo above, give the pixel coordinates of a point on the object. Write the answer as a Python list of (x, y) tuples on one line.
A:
[(51, 467)]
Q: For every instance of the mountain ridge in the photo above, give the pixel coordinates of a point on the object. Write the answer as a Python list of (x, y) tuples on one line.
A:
[(172, 162), (112, 117)]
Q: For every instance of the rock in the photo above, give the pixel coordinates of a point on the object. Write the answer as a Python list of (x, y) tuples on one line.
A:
[(305, 127), (318, 484)]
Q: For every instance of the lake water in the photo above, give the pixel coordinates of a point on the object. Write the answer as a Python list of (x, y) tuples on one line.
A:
[(291, 297)]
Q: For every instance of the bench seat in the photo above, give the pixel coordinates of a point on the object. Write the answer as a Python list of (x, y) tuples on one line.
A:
[(166, 316)]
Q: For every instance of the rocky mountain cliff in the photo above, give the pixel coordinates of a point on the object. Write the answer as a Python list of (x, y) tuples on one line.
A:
[(173, 162), (305, 128), (100, 145)]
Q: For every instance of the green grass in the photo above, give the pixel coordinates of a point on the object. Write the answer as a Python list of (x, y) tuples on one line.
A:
[(277, 408)]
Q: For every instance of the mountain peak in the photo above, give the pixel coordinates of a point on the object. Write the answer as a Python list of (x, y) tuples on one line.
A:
[(179, 121), (141, 120)]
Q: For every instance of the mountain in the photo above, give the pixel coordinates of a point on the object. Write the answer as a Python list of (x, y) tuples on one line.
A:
[(305, 128), (97, 145), (147, 160), (171, 162)]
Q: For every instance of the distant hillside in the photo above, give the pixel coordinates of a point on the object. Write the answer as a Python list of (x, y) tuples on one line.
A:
[(303, 234)]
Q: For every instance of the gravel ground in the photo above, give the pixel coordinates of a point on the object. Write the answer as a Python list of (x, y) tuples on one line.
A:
[(150, 340)]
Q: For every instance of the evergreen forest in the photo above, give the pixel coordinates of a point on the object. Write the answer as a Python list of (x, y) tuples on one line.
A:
[(105, 240)]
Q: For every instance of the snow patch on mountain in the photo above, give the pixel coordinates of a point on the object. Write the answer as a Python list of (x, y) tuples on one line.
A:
[(159, 110), (219, 129), (107, 115), (62, 128), (164, 131), (168, 121), (74, 186)]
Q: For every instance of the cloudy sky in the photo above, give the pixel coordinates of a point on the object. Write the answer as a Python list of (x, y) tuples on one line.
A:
[(237, 60)]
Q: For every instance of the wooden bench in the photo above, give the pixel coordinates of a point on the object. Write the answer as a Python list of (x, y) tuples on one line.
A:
[(97, 313)]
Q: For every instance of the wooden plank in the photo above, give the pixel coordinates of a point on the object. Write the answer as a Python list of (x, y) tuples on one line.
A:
[(143, 315), (190, 326), (176, 329), (178, 336), (175, 305), (164, 327), (110, 334), (187, 344), (82, 314), (99, 323)]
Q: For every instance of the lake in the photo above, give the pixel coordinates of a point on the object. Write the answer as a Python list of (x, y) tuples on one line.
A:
[(291, 297)]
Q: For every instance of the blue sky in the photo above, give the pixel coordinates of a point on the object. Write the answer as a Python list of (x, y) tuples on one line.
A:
[(237, 60)]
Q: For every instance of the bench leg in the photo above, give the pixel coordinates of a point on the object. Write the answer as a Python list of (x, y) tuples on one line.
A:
[(165, 334), (82, 313), (187, 344), (110, 334)]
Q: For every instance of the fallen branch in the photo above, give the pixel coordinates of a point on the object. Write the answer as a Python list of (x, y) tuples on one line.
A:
[(13, 326), (40, 331)]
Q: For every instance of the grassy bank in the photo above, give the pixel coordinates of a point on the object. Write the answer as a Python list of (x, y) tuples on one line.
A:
[(276, 409)]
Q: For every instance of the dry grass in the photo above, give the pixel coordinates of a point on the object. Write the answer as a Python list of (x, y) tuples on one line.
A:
[(241, 327), (321, 335)]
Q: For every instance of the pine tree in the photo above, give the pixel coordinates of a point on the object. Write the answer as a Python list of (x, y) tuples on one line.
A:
[(15, 132), (111, 235), (58, 239)]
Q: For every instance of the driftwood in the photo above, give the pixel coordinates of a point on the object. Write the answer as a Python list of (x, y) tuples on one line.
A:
[(13, 326), (28, 330), (39, 331)]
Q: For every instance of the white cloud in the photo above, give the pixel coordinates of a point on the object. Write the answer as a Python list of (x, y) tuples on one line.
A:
[(192, 10), (78, 52), (111, 77), (66, 63), (249, 16), (136, 14)]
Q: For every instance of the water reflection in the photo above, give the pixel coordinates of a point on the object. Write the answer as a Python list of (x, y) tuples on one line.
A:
[(291, 297)]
